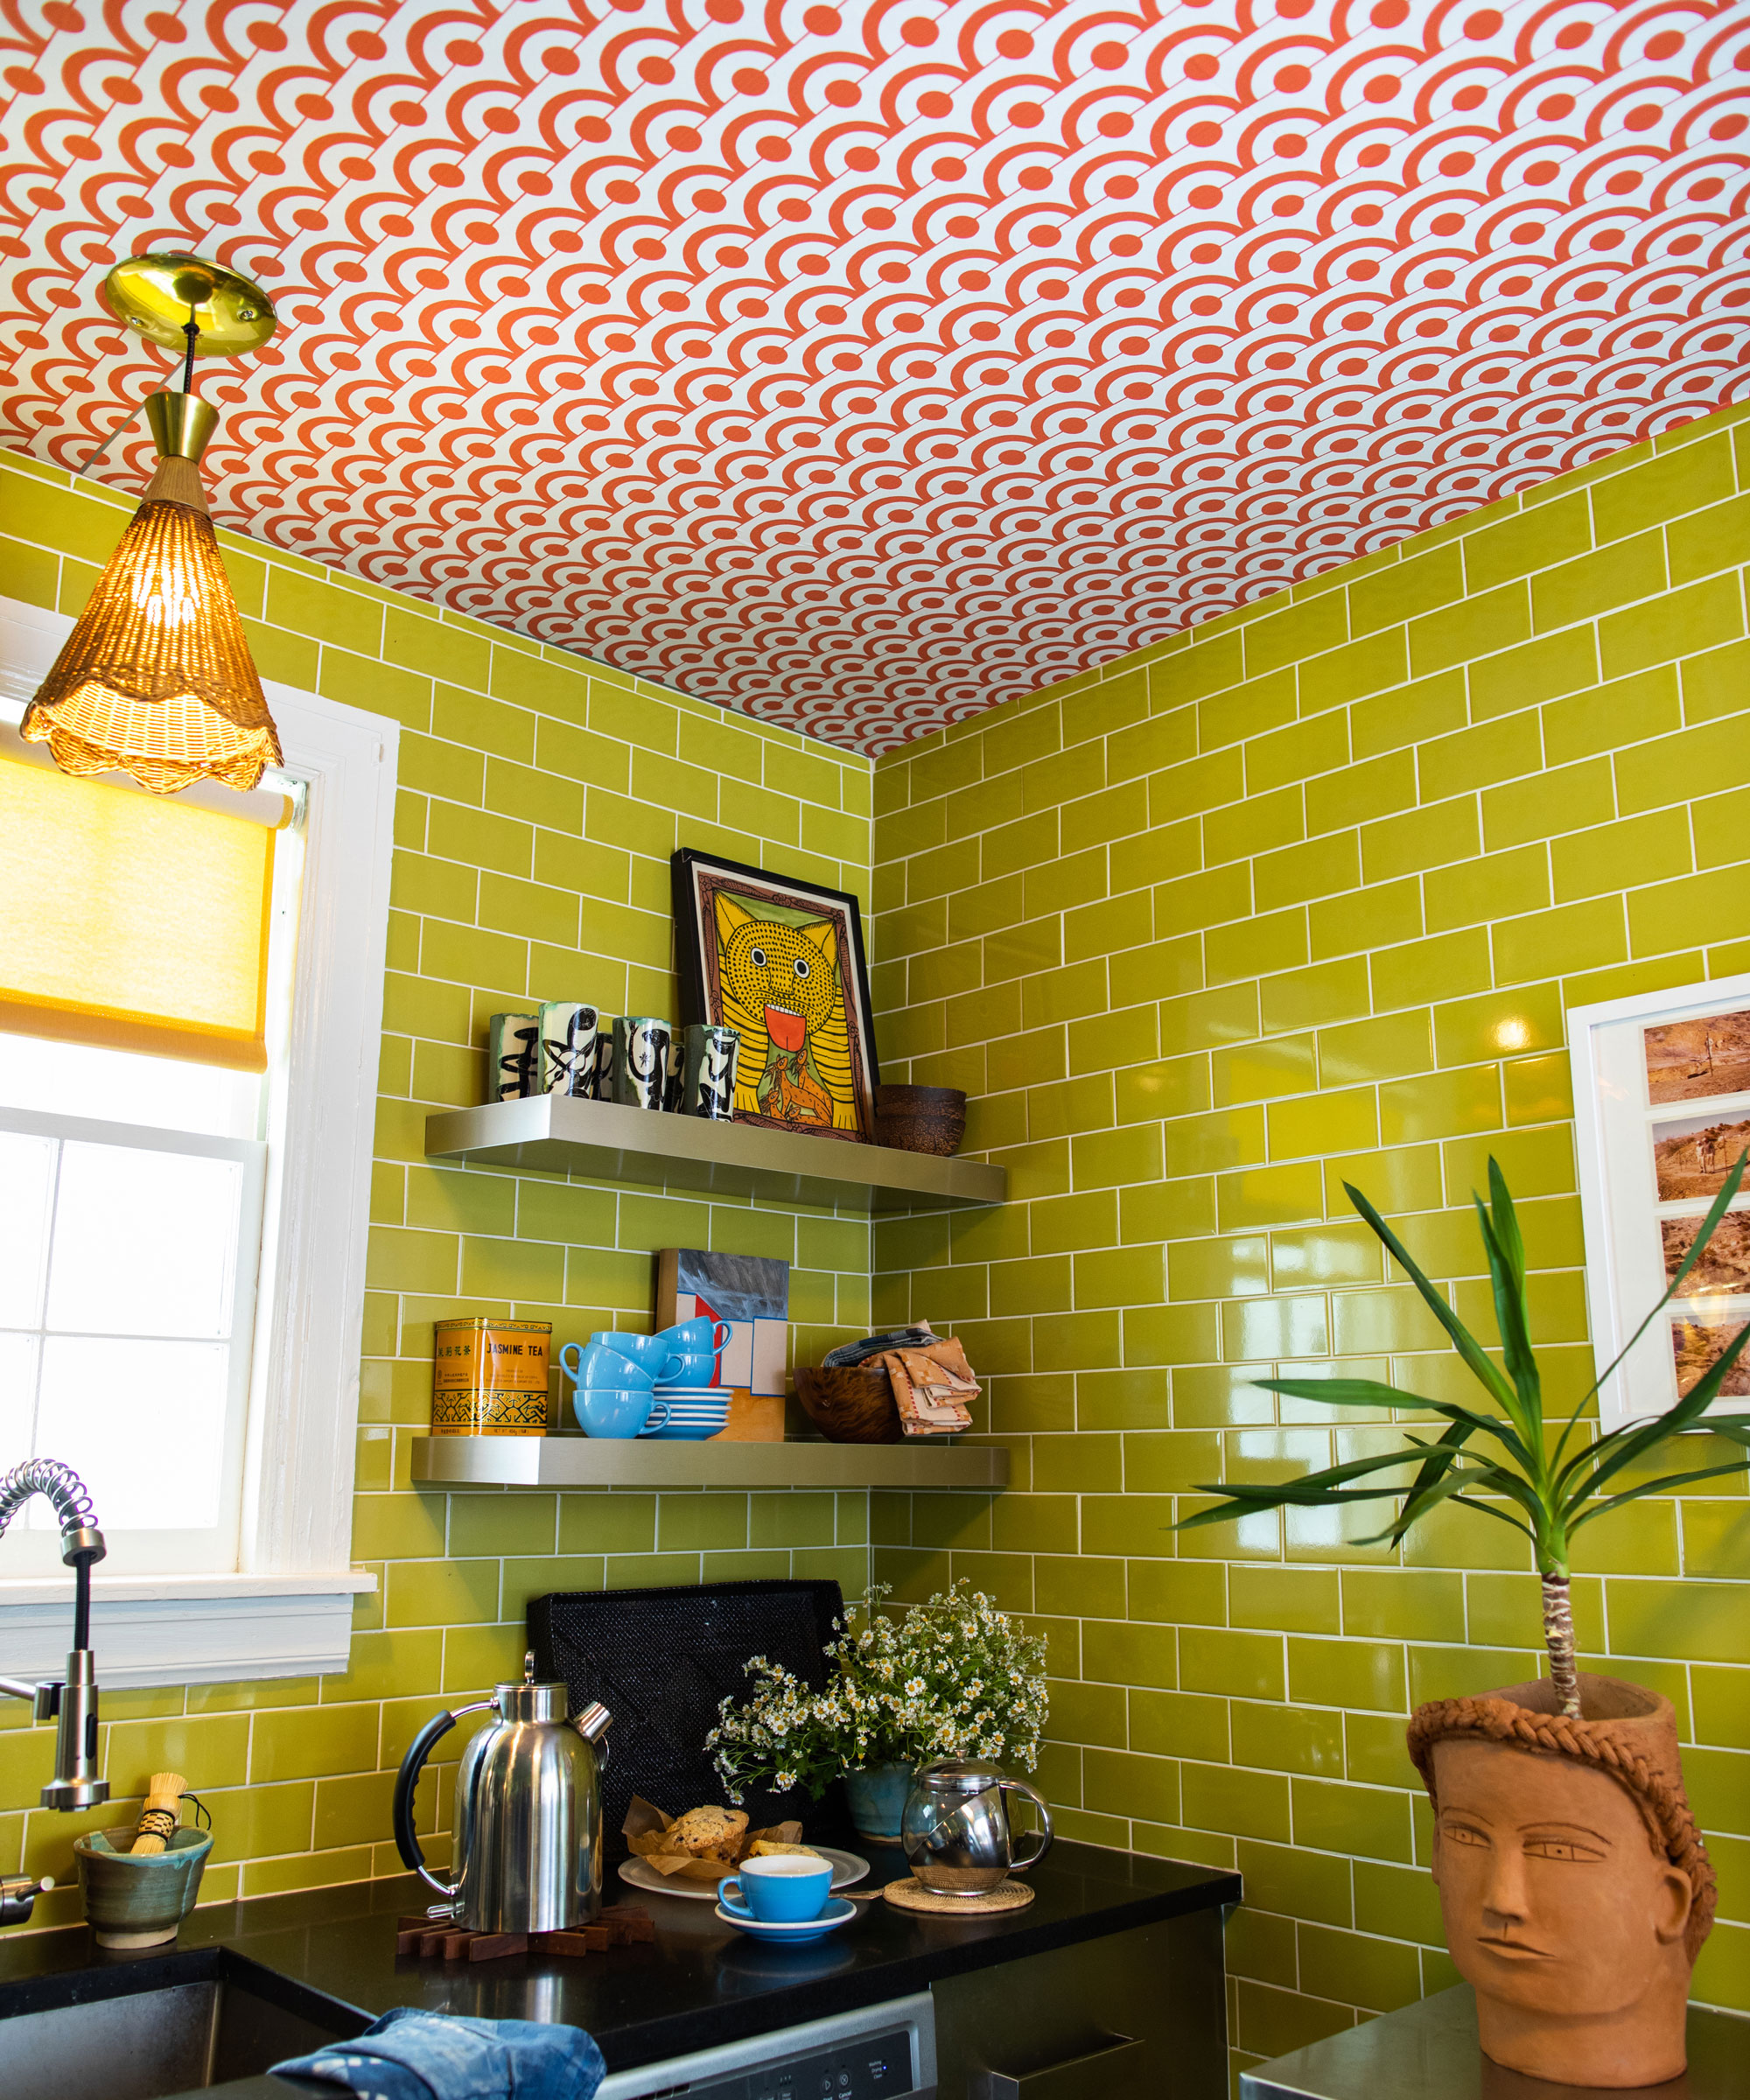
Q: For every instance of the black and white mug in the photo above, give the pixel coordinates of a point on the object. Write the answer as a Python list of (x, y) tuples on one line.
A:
[(708, 1089), (513, 1056), (641, 1060), (569, 1029)]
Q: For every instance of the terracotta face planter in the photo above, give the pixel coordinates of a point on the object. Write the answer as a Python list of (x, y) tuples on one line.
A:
[(1574, 1887)]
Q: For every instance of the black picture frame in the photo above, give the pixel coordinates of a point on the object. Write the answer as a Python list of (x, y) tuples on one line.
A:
[(811, 1075)]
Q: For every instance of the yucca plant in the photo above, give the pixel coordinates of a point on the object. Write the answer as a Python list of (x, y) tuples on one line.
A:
[(1541, 1488)]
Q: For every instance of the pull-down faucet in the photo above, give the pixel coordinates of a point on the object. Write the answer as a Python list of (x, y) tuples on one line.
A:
[(72, 1700)]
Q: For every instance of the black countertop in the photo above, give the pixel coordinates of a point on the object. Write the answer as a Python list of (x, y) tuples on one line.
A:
[(329, 1955), (1429, 2051)]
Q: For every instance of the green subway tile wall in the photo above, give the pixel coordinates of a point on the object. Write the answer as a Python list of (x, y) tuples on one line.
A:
[(540, 797), (1299, 898)]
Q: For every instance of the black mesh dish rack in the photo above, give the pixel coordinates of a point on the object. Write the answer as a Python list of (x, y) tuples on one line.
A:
[(659, 1661)]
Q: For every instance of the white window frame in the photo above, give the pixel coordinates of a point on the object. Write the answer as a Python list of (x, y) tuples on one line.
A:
[(288, 1609)]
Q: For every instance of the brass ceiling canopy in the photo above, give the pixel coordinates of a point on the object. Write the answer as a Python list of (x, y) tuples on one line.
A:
[(158, 295)]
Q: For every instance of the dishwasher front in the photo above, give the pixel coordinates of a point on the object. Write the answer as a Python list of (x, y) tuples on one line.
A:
[(882, 2050)]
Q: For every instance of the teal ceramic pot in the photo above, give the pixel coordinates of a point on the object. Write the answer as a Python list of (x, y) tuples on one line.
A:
[(139, 1899), (877, 1797)]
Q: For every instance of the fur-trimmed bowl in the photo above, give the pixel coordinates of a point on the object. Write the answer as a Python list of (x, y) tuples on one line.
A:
[(851, 1403), (921, 1119)]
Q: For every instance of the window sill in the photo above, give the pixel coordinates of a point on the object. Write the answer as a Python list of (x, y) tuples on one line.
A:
[(184, 1629)]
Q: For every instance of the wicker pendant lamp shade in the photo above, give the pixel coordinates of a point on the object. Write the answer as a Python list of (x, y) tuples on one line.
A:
[(156, 679)]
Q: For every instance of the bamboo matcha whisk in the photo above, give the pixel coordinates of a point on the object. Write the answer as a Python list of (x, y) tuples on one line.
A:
[(162, 1813)]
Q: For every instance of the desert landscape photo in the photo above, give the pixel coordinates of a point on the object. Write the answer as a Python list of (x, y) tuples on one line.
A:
[(1692, 1159), (1694, 1343), (1688, 1061), (1725, 1264)]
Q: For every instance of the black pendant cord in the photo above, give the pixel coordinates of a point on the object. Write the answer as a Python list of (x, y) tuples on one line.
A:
[(191, 329)]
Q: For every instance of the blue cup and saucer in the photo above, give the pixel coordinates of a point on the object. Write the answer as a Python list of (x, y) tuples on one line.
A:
[(783, 1899)]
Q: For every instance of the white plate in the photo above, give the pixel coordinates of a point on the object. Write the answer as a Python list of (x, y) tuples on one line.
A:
[(847, 1871)]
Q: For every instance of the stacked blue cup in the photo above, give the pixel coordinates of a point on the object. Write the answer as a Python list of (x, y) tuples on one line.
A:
[(697, 1405), (651, 1385), (611, 1396)]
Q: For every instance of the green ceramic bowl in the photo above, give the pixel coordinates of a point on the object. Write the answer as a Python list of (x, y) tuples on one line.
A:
[(139, 1899)]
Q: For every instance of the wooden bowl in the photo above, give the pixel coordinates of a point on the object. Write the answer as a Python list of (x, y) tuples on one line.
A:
[(851, 1403), (921, 1119)]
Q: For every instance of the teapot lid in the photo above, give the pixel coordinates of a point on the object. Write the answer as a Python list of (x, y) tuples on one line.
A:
[(532, 1700), (961, 1775)]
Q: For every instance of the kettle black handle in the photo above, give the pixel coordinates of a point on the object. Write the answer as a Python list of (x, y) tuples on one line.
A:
[(406, 1780)]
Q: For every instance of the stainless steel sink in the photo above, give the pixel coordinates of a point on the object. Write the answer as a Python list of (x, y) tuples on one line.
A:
[(144, 2045)]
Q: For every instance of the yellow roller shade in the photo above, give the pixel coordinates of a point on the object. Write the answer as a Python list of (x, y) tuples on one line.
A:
[(130, 923)]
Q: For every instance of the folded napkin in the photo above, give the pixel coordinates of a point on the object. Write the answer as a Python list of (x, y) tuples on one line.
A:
[(931, 1387), (414, 2055)]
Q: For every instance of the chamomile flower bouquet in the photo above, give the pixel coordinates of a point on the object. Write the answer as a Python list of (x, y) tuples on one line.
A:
[(954, 1677)]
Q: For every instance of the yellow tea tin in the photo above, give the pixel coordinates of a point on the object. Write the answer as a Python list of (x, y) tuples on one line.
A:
[(489, 1377)]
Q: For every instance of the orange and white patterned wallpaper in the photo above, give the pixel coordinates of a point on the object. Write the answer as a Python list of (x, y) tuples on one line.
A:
[(858, 366)]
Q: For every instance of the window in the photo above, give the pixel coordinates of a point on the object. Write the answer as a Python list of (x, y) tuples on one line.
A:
[(190, 1005), (129, 1254)]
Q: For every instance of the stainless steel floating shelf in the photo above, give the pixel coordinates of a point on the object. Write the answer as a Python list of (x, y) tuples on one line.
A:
[(578, 1461), (553, 1134)]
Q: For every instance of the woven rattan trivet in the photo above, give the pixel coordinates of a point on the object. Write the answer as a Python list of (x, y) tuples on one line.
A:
[(912, 1896)]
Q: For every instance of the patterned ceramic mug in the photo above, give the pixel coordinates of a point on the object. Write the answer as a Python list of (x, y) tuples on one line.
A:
[(708, 1087), (641, 1060)]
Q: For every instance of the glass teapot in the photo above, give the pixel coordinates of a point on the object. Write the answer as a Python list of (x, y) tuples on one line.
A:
[(956, 1827)]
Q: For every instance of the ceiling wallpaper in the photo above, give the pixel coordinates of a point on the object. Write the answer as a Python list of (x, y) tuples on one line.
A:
[(858, 366)]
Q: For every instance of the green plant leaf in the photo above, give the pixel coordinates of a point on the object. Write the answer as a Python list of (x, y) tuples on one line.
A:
[(1661, 1486), (1720, 1207), (1370, 1392), (1312, 1490), (1476, 1359), (1453, 1490), (1422, 1496), (1505, 1219), (1510, 1315), (1622, 1446)]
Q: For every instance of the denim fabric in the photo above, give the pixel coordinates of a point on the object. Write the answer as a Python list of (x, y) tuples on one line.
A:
[(874, 1344), (414, 2055)]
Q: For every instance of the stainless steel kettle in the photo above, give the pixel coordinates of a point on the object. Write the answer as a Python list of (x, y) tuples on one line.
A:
[(956, 1827), (529, 1810)]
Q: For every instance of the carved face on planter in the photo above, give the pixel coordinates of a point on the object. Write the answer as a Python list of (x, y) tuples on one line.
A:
[(1573, 1887)]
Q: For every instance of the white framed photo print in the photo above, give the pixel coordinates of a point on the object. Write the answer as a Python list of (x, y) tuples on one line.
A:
[(1662, 1114)]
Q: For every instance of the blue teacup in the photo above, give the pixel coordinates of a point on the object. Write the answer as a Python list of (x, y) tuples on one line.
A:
[(694, 1338), (603, 1412), (651, 1353), (779, 1889), (684, 1368), (597, 1368)]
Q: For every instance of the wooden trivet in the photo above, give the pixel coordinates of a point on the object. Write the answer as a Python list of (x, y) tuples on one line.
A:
[(624, 1925), (912, 1896)]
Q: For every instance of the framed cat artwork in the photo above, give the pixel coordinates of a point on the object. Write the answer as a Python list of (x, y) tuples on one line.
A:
[(781, 962)]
